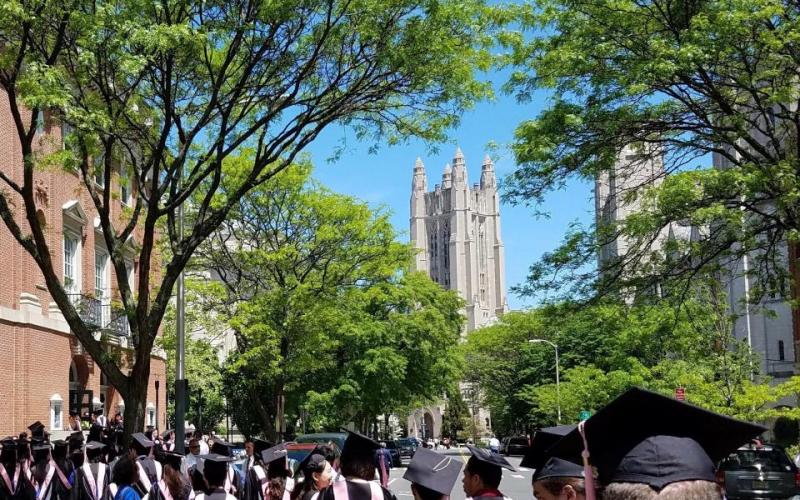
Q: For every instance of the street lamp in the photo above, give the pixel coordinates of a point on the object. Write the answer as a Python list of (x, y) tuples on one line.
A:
[(558, 383)]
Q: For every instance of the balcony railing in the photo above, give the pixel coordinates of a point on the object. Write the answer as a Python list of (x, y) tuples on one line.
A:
[(100, 317)]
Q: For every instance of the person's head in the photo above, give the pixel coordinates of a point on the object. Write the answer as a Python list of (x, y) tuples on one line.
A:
[(215, 473), (383, 444), (249, 447), (682, 490), (331, 455), (194, 446), (422, 493), (317, 473), (8, 453), (141, 445), (559, 488), (198, 434), (480, 475), (124, 473)]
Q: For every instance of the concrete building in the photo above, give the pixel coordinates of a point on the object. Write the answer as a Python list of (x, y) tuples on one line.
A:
[(770, 327), (45, 370), (456, 228)]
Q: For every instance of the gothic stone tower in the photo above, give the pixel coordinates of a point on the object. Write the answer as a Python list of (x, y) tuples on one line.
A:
[(456, 229)]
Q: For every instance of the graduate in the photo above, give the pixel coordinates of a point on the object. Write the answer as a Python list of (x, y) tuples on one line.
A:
[(173, 485), (648, 446), (536, 454), (63, 466), (483, 473), (357, 465), (75, 451), (317, 473), (432, 476), (215, 473), (148, 470), (13, 485), (93, 477), (233, 480), (255, 481), (45, 475), (559, 479)]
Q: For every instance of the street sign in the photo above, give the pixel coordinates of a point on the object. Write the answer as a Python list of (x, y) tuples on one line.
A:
[(585, 414), (680, 394)]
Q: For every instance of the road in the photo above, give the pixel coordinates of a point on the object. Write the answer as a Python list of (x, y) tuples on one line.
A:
[(516, 485)]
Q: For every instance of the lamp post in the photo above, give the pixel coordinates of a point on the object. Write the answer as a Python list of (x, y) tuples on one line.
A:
[(558, 382)]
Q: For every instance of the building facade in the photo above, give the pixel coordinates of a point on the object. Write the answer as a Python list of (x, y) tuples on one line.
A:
[(456, 230), (45, 371), (769, 327)]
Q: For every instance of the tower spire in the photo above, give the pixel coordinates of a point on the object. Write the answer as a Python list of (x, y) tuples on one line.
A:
[(488, 179), (459, 169), (447, 177), (420, 180)]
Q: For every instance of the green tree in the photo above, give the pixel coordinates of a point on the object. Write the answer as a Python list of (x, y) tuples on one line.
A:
[(206, 407), (677, 82), (310, 282), (456, 414), (167, 93)]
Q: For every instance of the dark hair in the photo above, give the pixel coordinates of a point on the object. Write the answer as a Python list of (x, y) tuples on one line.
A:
[(215, 473), (124, 472), (174, 482), (309, 484), (39, 468), (426, 493), (327, 451), (360, 467), (277, 485), (489, 474)]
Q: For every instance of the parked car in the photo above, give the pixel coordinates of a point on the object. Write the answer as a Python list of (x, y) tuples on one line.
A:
[(758, 471), (516, 445), (337, 438), (395, 451), (407, 447)]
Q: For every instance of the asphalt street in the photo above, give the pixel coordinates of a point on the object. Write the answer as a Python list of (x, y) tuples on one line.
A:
[(515, 485)]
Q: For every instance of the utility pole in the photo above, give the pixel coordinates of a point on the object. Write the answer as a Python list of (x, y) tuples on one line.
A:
[(180, 377)]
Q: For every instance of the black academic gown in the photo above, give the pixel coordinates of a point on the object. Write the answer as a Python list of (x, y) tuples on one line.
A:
[(356, 490), (157, 489), (19, 490), (148, 473), (197, 481), (254, 484), (51, 486), (83, 489)]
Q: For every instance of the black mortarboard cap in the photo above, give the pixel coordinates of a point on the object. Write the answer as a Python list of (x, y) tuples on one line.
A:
[(98, 411), (173, 459), (142, 440), (260, 445), (37, 429), (433, 471), (357, 445), (41, 446), (536, 455), (276, 460), (8, 443), (487, 456), (220, 447), (311, 463), (215, 462), (94, 445), (644, 437), (557, 467)]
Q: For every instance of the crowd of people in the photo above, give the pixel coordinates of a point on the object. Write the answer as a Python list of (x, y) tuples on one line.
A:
[(642, 446)]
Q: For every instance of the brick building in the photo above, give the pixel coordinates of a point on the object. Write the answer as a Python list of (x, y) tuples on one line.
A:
[(44, 370)]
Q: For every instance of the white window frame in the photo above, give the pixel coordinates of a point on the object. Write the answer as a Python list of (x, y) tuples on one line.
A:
[(102, 289), (151, 414), (75, 286), (56, 412)]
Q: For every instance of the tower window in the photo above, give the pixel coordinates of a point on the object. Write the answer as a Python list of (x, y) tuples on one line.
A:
[(781, 351)]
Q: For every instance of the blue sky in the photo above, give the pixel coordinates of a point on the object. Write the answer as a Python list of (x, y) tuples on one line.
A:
[(385, 179)]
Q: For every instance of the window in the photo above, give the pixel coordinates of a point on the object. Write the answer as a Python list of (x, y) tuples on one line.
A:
[(66, 131), (100, 169), (151, 414), (71, 264), (101, 291), (56, 412), (124, 187), (40, 124), (781, 351)]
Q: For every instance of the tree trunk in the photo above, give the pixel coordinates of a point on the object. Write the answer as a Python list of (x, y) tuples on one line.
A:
[(136, 399)]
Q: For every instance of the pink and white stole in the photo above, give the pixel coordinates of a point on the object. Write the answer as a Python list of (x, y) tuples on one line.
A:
[(12, 486), (340, 490), (94, 486)]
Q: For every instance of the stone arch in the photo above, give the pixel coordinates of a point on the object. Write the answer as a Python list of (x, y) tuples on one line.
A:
[(79, 372)]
